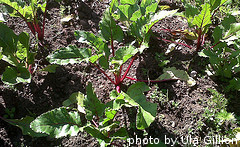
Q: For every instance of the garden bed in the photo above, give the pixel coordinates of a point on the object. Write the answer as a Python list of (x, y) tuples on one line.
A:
[(181, 108)]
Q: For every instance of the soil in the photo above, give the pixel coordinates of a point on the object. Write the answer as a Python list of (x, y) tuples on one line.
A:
[(49, 90)]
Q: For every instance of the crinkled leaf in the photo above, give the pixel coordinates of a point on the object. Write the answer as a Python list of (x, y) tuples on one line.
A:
[(173, 73), (92, 105), (12, 75), (234, 28), (24, 125), (204, 18), (58, 123), (70, 54), (109, 29), (94, 41)]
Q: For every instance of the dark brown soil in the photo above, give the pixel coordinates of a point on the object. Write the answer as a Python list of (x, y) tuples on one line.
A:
[(49, 90)]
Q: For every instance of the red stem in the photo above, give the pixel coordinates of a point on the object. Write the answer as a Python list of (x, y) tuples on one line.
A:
[(104, 73), (215, 44), (175, 42), (153, 81), (129, 66), (199, 40)]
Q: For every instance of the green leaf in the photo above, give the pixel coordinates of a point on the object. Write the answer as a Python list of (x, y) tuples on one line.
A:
[(217, 34), (8, 40), (104, 62), (0, 54), (190, 12), (227, 21), (58, 123), (234, 28), (214, 4), (24, 39), (23, 10), (21, 52), (204, 18), (109, 113), (96, 133), (146, 110), (70, 54), (12, 76), (76, 98), (120, 134), (173, 73), (109, 29), (24, 125), (51, 68), (131, 2), (94, 41), (92, 105), (123, 54)]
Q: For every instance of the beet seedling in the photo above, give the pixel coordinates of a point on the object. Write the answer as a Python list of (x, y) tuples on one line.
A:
[(28, 12), (14, 49), (138, 20), (199, 17)]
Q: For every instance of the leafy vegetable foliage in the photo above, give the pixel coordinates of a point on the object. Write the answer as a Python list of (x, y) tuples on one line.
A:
[(99, 120), (28, 12), (15, 51), (138, 18)]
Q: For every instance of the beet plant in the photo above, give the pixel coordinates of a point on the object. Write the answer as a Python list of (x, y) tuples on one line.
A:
[(86, 113), (138, 20), (199, 15), (14, 49), (27, 10), (224, 54)]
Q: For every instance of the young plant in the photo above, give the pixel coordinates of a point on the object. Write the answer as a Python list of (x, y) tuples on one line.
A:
[(27, 10), (199, 15), (14, 49), (139, 18), (86, 113), (224, 54)]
